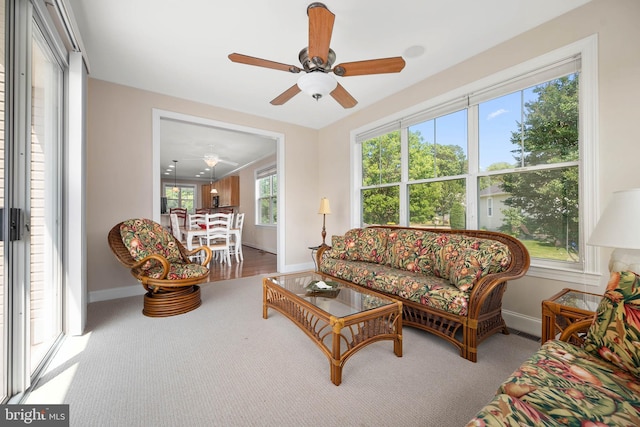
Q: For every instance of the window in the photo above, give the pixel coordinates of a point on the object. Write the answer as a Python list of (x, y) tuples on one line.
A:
[(503, 157), (180, 196), (266, 193)]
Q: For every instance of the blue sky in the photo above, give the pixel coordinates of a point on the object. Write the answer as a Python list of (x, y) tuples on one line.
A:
[(497, 119)]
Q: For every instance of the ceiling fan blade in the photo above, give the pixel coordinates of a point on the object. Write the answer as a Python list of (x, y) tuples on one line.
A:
[(343, 97), (372, 66), (251, 60), (286, 95), (320, 29), (228, 162)]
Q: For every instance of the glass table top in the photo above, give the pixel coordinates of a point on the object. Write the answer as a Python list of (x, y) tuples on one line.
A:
[(339, 300), (580, 300)]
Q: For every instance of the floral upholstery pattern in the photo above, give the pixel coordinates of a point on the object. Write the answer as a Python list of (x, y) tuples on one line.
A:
[(177, 271), (615, 334), (562, 384), (361, 244), (144, 237), (424, 289), (505, 410), (434, 269)]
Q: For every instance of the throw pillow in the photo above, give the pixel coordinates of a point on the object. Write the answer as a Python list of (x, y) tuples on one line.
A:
[(615, 332), (466, 259), (372, 245)]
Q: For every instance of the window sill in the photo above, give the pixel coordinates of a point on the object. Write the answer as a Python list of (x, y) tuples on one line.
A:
[(565, 275)]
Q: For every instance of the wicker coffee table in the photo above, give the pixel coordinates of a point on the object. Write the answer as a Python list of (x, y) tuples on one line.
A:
[(340, 320)]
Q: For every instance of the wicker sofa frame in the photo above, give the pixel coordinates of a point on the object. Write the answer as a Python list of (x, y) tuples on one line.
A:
[(484, 315)]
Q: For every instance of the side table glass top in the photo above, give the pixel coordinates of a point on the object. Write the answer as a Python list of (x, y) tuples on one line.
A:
[(580, 300), (340, 301)]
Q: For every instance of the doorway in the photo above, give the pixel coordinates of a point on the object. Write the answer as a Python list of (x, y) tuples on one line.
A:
[(161, 117)]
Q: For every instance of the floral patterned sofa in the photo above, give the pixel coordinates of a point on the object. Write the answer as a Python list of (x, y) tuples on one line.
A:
[(450, 282), (596, 383)]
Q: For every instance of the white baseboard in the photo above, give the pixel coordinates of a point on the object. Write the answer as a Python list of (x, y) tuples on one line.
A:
[(522, 323), (115, 293), (299, 267)]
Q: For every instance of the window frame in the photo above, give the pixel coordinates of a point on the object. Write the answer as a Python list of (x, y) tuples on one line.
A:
[(181, 186), (586, 49), (269, 172)]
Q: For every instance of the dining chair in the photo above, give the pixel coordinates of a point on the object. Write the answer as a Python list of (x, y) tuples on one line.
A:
[(203, 211), (236, 243), (218, 236), (182, 215), (197, 220), (175, 227)]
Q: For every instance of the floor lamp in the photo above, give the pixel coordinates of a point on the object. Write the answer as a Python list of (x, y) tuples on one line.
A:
[(619, 228), (324, 211)]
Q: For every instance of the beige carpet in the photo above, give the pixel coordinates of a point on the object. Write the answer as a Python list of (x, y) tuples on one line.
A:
[(223, 365)]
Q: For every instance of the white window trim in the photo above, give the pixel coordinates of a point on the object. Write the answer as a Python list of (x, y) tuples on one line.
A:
[(270, 170), (587, 48)]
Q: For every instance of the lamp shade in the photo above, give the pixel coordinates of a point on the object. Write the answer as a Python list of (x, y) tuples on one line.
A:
[(619, 225), (324, 206), (317, 84)]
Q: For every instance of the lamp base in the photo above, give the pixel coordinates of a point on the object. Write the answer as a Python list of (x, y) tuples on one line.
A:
[(625, 260)]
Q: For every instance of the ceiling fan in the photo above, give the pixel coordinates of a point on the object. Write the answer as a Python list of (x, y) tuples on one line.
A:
[(212, 159), (317, 60)]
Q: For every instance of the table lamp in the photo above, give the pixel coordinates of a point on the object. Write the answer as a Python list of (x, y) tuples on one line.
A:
[(324, 210), (619, 228)]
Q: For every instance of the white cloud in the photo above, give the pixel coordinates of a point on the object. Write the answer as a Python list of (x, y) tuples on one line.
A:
[(496, 113)]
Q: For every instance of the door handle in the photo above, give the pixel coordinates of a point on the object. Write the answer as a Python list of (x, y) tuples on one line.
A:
[(15, 215)]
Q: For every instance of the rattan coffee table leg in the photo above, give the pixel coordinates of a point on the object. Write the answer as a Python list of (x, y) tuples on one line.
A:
[(264, 299)]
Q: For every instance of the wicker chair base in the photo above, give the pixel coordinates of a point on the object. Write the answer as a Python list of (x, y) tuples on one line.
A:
[(171, 303)]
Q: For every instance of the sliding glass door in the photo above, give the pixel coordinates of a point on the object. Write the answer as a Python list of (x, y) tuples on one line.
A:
[(43, 211), (31, 136), (3, 293)]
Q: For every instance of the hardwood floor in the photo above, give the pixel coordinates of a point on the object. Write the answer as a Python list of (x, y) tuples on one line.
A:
[(255, 262)]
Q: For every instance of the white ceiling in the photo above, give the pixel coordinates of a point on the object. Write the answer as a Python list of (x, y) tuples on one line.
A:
[(180, 48)]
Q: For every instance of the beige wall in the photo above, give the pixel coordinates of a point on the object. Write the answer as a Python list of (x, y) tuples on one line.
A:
[(119, 176), (616, 23)]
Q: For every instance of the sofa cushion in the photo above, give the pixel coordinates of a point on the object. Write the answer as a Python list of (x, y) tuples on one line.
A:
[(361, 244), (615, 333), (144, 237), (505, 410), (466, 259), (460, 259), (177, 271), (424, 289), (574, 387), (411, 250)]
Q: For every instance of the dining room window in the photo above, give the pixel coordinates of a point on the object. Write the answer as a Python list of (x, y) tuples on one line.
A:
[(180, 196)]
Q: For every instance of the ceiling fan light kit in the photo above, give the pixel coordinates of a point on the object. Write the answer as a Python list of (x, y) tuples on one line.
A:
[(317, 84), (317, 60)]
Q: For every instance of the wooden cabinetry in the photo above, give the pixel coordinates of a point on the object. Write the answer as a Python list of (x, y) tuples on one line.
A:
[(207, 197), (228, 192)]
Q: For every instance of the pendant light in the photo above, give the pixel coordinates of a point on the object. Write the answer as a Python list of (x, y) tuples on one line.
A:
[(175, 176)]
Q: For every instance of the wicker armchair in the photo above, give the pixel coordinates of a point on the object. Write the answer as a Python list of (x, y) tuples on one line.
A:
[(161, 264)]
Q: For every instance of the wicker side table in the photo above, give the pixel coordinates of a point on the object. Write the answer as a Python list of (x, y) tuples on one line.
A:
[(565, 308)]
